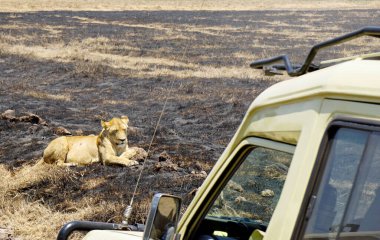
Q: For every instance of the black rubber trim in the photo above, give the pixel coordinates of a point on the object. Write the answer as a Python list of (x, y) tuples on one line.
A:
[(70, 227)]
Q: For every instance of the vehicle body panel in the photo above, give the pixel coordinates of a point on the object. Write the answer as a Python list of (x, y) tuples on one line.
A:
[(113, 235)]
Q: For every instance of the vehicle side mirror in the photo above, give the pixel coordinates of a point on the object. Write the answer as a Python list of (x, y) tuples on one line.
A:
[(163, 217)]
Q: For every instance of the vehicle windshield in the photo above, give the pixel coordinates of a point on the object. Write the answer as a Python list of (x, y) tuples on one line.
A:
[(254, 190)]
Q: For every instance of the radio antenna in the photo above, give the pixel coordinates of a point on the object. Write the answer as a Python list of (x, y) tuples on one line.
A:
[(128, 211)]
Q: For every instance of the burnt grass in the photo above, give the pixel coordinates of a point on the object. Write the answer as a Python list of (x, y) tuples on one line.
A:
[(201, 115)]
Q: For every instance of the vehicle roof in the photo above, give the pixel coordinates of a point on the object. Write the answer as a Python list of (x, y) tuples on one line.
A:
[(357, 80)]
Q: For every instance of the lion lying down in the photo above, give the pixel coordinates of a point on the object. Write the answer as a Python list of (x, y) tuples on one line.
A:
[(109, 147)]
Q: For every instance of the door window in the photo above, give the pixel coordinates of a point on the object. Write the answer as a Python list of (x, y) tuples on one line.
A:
[(255, 188), (346, 205), (362, 217)]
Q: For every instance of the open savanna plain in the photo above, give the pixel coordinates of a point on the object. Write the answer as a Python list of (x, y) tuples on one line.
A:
[(76, 63)]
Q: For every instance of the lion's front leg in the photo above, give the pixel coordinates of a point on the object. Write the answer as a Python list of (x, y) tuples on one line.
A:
[(129, 153), (111, 159), (109, 156)]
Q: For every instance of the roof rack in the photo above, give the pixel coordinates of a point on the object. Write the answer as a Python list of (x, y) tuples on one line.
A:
[(308, 66)]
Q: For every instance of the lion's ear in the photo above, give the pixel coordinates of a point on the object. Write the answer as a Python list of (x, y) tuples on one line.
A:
[(125, 119), (105, 125)]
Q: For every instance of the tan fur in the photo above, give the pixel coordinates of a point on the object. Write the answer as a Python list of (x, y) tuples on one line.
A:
[(109, 147)]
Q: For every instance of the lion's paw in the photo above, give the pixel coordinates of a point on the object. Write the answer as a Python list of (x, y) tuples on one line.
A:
[(132, 163), (132, 151), (140, 155), (129, 153)]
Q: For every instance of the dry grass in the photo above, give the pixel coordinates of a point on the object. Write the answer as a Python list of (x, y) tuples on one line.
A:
[(42, 200), (91, 61), (190, 5), (44, 95), (32, 219)]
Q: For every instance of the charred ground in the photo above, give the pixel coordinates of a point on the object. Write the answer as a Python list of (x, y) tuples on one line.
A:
[(74, 68)]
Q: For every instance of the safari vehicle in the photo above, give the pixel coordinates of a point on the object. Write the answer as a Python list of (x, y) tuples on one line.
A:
[(304, 163)]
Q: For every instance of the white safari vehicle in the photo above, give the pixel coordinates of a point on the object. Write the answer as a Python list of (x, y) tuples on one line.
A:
[(304, 163)]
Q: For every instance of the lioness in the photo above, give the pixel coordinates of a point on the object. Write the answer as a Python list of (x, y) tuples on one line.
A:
[(109, 147)]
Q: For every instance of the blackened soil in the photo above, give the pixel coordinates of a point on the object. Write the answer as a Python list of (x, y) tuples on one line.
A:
[(202, 112)]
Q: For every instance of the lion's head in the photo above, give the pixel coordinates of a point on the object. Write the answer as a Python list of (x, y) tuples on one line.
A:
[(116, 130)]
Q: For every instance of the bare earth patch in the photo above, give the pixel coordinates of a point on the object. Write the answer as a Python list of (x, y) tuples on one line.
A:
[(188, 5), (73, 67)]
